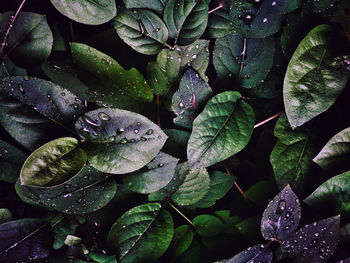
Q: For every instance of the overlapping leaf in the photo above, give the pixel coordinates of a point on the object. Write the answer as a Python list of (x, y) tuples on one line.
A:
[(256, 253), (207, 225), (155, 5), (182, 239), (219, 23)]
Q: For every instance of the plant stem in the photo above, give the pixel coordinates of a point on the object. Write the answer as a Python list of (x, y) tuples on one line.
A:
[(158, 110), (216, 8), (71, 30), (177, 210), (235, 183), (11, 22), (268, 119), (242, 58)]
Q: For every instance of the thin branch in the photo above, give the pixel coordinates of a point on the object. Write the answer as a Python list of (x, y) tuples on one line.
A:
[(242, 57), (71, 30), (235, 183), (158, 110), (11, 22), (177, 210), (216, 8), (268, 119)]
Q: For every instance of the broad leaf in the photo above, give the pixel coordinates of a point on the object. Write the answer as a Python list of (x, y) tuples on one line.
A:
[(154, 5), (219, 24), (334, 192), (336, 152), (62, 227), (104, 67), (7, 69), (254, 254), (142, 30), (157, 78), (158, 174), (260, 193), (176, 143), (53, 163), (191, 96), (5, 215), (282, 215), (231, 124), (86, 192), (207, 225), (90, 12), (11, 160), (122, 141), (320, 6), (315, 242), (182, 239), (101, 258), (186, 20), (142, 234), (30, 41), (291, 158), (17, 239), (312, 83)]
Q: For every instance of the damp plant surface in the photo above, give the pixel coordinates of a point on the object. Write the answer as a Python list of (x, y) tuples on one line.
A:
[(141, 131)]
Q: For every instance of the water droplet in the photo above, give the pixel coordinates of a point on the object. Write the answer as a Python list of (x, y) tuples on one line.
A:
[(247, 18), (138, 124), (161, 165), (111, 139), (90, 121), (149, 132), (194, 56), (120, 131), (136, 131), (181, 105), (288, 214), (104, 116), (124, 140), (63, 93), (26, 78), (264, 20), (273, 3), (48, 96), (281, 207)]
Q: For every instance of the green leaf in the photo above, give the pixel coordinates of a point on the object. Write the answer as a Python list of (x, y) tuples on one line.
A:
[(53, 163), (320, 6), (90, 12), (72, 240), (191, 96), (158, 174), (101, 258), (256, 253), (291, 158), (122, 141), (207, 225), (181, 241), (336, 152), (142, 234), (176, 143), (17, 239), (142, 30), (30, 41), (157, 78), (248, 60), (62, 227), (8, 68), (260, 193), (11, 161), (5, 215), (219, 24), (86, 192), (334, 192), (312, 83), (186, 20), (154, 5), (231, 123), (104, 67)]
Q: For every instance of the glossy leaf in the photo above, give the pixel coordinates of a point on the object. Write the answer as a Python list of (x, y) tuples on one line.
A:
[(90, 12), (154, 5), (5, 215), (191, 96), (30, 41), (86, 192), (104, 67), (157, 78), (231, 124), (219, 24), (254, 254), (260, 193), (101, 258), (122, 141), (282, 215), (319, 6), (291, 158), (142, 30), (315, 242), (11, 160), (207, 225), (176, 143), (8, 68), (336, 152), (53, 163), (17, 239), (248, 60), (142, 234), (335, 192), (158, 174), (312, 83), (186, 20), (62, 227), (182, 239)]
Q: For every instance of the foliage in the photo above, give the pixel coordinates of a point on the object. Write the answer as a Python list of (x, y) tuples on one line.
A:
[(174, 131)]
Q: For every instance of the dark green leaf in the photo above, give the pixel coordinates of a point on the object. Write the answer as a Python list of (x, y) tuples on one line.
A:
[(248, 227), (142, 30), (7, 69), (90, 12), (191, 96), (142, 234), (207, 225), (5, 215), (254, 254), (260, 193), (101, 258), (186, 20), (86, 192), (320, 6), (157, 78), (176, 143), (219, 24), (231, 124), (282, 215), (155, 5), (248, 60), (158, 174), (62, 227), (122, 141), (181, 241), (53, 163), (312, 83)]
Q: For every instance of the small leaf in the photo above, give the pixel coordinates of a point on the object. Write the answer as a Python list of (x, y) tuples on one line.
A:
[(154, 5), (186, 20), (207, 225), (231, 124), (142, 234), (282, 215), (53, 163), (62, 227), (312, 83), (122, 141), (315, 242), (254, 254), (158, 174), (90, 12), (191, 96), (5, 215), (336, 152), (142, 30), (181, 241)]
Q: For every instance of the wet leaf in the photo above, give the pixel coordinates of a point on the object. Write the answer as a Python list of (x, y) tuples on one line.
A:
[(154, 5), (90, 12), (121, 141), (282, 215), (182, 239), (207, 225), (231, 124), (219, 23), (62, 227), (53, 163), (254, 254), (8, 68), (143, 234), (157, 78)]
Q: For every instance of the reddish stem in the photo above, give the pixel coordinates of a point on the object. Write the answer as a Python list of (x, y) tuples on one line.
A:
[(235, 183), (216, 8), (268, 119)]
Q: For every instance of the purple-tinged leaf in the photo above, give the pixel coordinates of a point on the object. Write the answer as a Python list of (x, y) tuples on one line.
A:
[(258, 253)]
